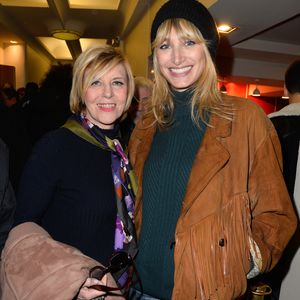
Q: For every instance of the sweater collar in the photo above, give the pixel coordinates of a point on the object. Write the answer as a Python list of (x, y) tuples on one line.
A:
[(289, 110), (182, 103), (182, 97)]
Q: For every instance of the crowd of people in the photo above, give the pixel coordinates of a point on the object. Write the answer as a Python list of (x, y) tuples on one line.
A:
[(141, 189)]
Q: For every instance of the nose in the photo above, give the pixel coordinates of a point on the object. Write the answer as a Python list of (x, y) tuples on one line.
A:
[(107, 91), (177, 56)]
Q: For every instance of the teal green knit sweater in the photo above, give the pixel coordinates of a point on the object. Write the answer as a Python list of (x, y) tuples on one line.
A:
[(166, 174)]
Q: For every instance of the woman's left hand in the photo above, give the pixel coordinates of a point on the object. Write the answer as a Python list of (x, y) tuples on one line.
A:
[(87, 293)]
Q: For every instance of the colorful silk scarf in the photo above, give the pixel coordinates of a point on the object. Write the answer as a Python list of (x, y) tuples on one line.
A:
[(123, 177)]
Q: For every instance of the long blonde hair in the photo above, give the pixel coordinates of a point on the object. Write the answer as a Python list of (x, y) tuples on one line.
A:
[(206, 97), (98, 60)]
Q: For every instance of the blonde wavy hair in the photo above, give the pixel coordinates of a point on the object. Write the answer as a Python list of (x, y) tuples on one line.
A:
[(206, 97), (96, 61)]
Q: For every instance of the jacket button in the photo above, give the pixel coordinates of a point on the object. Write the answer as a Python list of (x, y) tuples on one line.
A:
[(221, 242)]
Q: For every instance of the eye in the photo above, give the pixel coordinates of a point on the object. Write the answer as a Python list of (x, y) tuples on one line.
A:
[(118, 83), (96, 83), (189, 43), (164, 46)]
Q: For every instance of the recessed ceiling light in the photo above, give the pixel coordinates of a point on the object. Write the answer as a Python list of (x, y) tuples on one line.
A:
[(13, 42), (57, 48), (25, 3), (94, 4), (224, 28), (67, 35)]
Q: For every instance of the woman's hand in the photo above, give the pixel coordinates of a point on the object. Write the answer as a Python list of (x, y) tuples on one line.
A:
[(87, 293)]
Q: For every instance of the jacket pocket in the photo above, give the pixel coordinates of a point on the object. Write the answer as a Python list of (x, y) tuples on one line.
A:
[(220, 249)]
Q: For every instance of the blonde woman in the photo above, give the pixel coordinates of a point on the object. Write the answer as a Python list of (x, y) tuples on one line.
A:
[(78, 184), (212, 208)]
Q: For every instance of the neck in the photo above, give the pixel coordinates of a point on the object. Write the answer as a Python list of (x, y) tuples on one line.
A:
[(294, 98)]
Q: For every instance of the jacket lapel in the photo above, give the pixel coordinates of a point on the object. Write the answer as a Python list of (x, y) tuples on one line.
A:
[(143, 138), (210, 158)]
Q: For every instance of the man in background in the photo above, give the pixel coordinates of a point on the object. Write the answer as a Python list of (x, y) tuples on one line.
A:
[(142, 95), (287, 124)]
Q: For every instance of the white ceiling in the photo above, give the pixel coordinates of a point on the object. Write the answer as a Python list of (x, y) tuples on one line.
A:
[(268, 30)]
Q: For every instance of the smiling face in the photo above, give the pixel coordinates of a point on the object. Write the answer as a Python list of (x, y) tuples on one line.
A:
[(106, 96), (181, 61)]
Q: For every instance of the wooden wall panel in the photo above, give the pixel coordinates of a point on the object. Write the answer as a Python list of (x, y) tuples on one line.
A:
[(7, 75)]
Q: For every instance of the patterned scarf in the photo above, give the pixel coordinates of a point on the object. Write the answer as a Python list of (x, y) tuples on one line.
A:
[(124, 181)]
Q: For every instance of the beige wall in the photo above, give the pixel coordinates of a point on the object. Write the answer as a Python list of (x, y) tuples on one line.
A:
[(29, 65), (36, 65), (14, 55), (1, 54), (137, 44)]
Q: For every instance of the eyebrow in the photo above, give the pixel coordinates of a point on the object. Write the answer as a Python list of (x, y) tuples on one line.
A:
[(118, 78)]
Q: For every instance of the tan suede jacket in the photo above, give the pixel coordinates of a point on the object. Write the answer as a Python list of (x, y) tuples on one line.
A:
[(235, 194), (36, 267)]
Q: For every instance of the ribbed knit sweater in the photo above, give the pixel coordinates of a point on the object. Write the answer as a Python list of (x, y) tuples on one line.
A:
[(67, 188), (165, 178)]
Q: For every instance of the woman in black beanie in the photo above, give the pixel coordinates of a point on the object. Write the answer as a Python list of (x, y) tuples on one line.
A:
[(212, 208)]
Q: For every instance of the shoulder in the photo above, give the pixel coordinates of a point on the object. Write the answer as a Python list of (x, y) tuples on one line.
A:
[(288, 111), (246, 112), (287, 124), (54, 138), (55, 143), (243, 104), (61, 136)]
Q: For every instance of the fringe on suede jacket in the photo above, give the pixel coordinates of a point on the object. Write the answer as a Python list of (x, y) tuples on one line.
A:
[(235, 194), (36, 267)]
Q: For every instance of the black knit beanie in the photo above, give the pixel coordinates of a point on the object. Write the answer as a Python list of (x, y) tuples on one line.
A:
[(193, 11)]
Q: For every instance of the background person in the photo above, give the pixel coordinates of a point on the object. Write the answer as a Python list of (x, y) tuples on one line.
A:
[(142, 94), (77, 184), (14, 133), (47, 108), (212, 207), (287, 124)]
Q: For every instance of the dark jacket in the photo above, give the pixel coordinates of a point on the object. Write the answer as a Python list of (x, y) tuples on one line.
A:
[(232, 197), (287, 124), (7, 196), (67, 188)]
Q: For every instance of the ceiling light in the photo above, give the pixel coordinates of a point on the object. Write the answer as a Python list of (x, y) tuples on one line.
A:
[(94, 4), (58, 48), (65, 34), (256, 91), (27, 3), (223, 89), (224, 28)]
